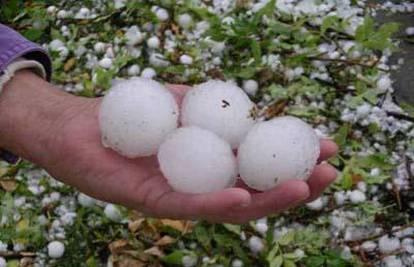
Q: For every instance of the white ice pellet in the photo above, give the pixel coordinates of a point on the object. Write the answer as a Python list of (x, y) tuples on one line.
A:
[(262, 228), (384, 83), (362, 186), (105, 63), (255, 244), (250, 87), (195, 160), (317, 204), (392, 261), (135, 117), (409, 31), (162, 14), (237, 263), (292, 153), (374, 172), (186, 60), (153, 42), (220, 107), (3, 262), (3, 247), (185, 20), (55, 249), (158, 60), (134, 36), (56, 44), (340, 198), (133, 70), (189, 261), (112, 212), (62, 14), (369, 246), (85, 200), (51, 9), (148, 73), (388, 244), (357, 196), (99, 47)]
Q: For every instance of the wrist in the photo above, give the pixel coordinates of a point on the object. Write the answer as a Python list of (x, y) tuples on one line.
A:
[(30, 112)]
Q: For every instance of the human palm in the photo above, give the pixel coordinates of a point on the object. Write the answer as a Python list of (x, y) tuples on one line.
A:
[(81, 161)]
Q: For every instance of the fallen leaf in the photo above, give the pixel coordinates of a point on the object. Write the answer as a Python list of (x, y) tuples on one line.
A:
[(134, 226), (9, 185), (69, 64), (165, 240), (177, 225), (117, 246), (3, 171), (155, 251)]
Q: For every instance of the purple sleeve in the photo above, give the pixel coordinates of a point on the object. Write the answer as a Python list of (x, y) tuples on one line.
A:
[(13, 46)]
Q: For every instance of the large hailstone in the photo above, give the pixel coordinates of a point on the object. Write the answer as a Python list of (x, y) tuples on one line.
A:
[(277, 150), (195, 160), (220, 107), (135, 117)]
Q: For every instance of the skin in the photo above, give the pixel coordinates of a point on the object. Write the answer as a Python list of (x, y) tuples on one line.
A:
[(60, 133)]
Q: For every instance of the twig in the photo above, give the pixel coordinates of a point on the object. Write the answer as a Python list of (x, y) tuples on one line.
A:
[(400, 116), (408, 163), (348, 62), (12, 254)]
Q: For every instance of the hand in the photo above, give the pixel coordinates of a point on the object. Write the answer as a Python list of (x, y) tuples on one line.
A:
[(71, 151)]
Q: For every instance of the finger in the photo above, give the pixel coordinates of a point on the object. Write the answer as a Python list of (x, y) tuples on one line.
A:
[(176, 205), (282, 197), (178, 91), (328, 149), (322, 176)]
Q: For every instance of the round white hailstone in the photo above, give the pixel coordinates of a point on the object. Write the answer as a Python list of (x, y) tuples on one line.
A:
[(133, 70), (51, 10), (255, 244), (262, 228), (237, 263), (277, 150), (362, 186), (369, 246), (195, 160), (375, 172), (3, 262), (86, 201), (185, 20), (189, 261), (220, 107), (340, 198), (186, 60), (153, 42), (148, 73), (384, 83), (105, 63), (357, 196), (134, 36), (84, 12), (112, 212), (55, 249), (99, 47), (317, 204), (136, 116), (250, 87), (363, 110), (62, 14), (409, 31), (162, 14), (388, 244), (299, 253), (56, 44), (392, 261)]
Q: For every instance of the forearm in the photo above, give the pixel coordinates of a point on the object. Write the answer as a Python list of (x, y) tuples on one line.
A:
[(29, 112)]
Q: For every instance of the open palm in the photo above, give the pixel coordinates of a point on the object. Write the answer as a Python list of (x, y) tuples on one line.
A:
[(81, 161)]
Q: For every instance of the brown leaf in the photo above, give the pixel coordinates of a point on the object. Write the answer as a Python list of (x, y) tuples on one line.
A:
[(26, 262), (128, 262), (155, 251), (134, 226), (177, 225), (118, 245), (9, 185), (165, 240), (69, 64)]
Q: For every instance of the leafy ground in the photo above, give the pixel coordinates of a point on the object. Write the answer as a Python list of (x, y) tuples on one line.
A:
[(325, 61)]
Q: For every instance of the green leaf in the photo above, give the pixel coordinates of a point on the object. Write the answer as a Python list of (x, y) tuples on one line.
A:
[(315, 261), (203, 236), (175, 257), (346, 178), (246, 73), (33, 34), (330, 22), (287, 238), (234, 228), (342, 135), (272, 254), (276, 262), (288, 263), (256, 51)]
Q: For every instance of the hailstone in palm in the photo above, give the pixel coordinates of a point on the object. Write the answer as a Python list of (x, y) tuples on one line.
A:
[(135, 117), (220, 107), (195, 160), (277, 150)]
